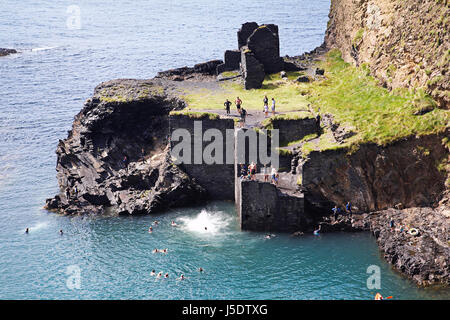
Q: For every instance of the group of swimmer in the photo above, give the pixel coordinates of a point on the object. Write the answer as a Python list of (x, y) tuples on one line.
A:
[(243, 113), (166, 275), (27, 231), (160, 274)]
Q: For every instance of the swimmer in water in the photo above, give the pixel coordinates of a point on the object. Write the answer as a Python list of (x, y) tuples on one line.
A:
[(181, 277), (316, 232), (159, 274), (27, 230), (267, 236), (173, 224), (155, 222), (61, 232), (166, 276), (200, 269), (165, 251), (153, 272), (150, 230), (206, 228), (155, 251)]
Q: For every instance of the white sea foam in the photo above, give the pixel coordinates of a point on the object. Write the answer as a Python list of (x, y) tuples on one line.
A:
[(38, 226), (215, 222), (42, 48)]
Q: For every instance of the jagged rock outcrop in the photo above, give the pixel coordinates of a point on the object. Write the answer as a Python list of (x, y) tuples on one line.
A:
[(5, 51), (264, 42), (405, 43), (374, 178), (244, 33), (424, 257), (116, 155), (252, 70), (208, 68), (232, 60)]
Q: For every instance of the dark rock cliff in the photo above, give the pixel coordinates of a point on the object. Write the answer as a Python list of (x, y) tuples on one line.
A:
[(116, 154), (405, 173)]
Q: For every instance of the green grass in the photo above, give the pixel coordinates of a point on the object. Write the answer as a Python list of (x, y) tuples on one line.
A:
[(195, 114), (229, 74), (287, 94), (375, 114), (295, 115)]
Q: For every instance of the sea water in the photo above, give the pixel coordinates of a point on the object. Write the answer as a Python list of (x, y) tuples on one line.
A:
[(107, 257)]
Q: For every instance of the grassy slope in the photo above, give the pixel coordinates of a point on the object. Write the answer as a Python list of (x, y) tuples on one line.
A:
[(377, 115), (287, 95)]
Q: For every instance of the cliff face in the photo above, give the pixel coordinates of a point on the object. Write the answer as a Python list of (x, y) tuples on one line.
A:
[(406, 173), (116, 155), (405, 43)]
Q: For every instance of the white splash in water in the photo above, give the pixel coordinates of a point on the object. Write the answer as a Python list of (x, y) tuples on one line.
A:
[(42, 49), (37, 226), (207, 222)]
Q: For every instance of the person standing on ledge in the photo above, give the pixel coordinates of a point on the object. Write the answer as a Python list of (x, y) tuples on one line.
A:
[(273, 106), (143, 155), (238, 104), (348, 207), (335, 211), (227, 105), (243, 114), (266, 106)]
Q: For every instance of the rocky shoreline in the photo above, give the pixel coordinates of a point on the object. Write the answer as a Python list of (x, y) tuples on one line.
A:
[(422, 257), (116, 159)]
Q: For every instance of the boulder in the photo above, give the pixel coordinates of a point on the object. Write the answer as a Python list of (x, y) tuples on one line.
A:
[(320, 71), (303, 79), (244, 32), (252, 70), (5, 51), (232, 60), (265, 45)]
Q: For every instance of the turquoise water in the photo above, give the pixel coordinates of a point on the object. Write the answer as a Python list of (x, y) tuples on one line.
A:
[(114, 256), (45, 86)]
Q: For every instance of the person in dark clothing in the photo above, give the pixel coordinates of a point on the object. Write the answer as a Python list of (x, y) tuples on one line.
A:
[(318, 123), (335, 212), (68, 193), (391, 223), (348, 207), (143, 155), (227, 105), (125, 162), (243, 115)]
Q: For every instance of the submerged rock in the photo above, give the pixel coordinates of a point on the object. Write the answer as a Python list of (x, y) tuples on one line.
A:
[(5, 51)]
